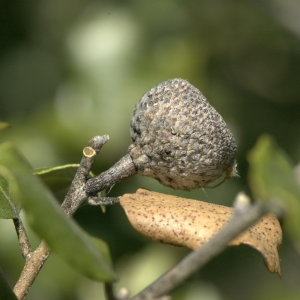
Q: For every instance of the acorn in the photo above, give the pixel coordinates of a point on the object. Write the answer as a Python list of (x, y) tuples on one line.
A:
[(177, 138)]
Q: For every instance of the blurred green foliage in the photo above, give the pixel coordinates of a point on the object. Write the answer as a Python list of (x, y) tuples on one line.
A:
[(274, 181), (70, 70)]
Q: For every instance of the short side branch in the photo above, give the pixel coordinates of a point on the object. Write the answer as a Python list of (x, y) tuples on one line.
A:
[(77, 192), (120, 170)]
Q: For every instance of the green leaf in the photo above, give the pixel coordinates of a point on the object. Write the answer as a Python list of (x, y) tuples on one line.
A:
[(272, 179), (47, 219), (59, 177), (62, 171), (9, 209)]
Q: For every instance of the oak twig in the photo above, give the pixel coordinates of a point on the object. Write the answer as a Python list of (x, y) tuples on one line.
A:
[(33, 264), (34, 260), (120, 170), (77, 192)]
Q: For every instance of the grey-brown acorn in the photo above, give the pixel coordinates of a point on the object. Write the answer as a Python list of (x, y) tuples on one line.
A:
[(178, 138)]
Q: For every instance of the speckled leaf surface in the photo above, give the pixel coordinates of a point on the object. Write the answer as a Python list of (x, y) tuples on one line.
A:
[(191, 223)]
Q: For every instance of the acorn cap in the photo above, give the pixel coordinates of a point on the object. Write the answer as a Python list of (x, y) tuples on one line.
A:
[(179, 139)]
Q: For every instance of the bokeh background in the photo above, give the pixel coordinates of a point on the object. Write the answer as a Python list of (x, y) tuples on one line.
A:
[(72, 69)]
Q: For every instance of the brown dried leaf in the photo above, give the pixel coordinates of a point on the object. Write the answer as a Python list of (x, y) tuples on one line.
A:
[(191, 223)]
